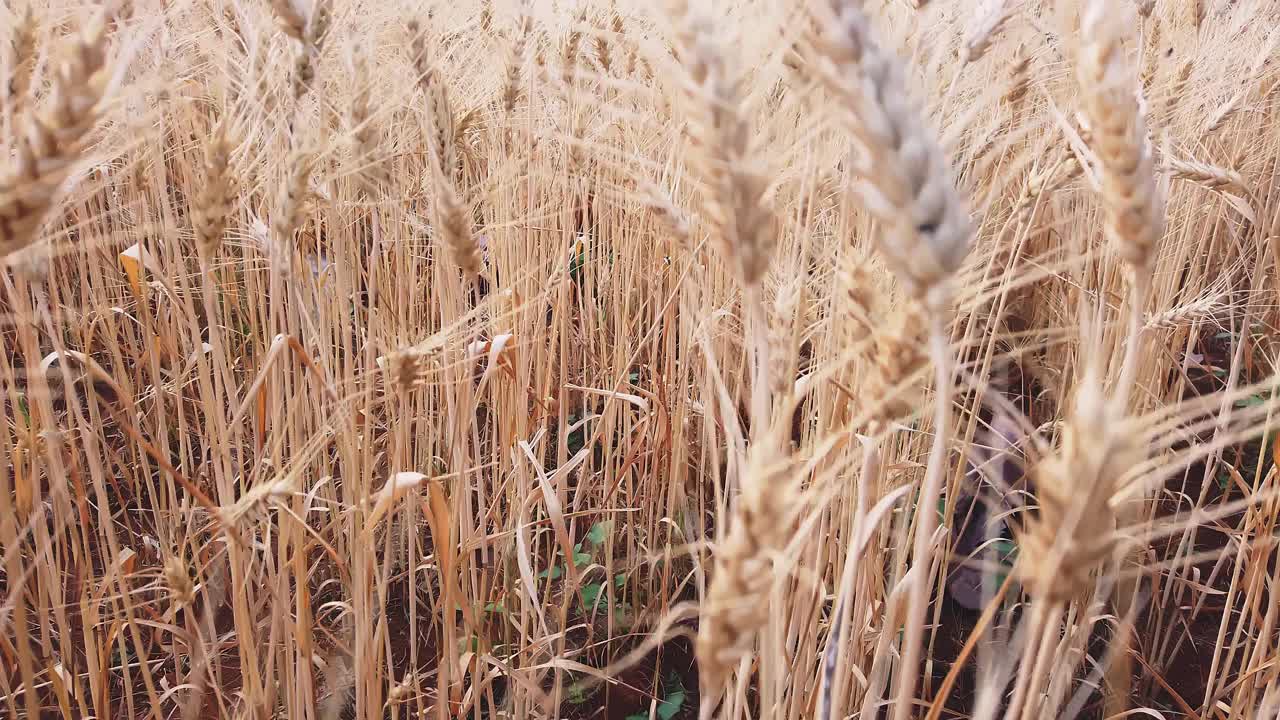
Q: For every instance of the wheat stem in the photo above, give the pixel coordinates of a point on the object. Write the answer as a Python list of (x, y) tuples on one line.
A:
[(926, 517)]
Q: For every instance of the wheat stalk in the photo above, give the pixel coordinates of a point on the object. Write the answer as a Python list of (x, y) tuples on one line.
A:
[(905, 183), (1118, 135)]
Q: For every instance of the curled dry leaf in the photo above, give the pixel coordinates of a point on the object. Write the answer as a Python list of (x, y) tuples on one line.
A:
[(133, 260), (396, 487), (495, 349)]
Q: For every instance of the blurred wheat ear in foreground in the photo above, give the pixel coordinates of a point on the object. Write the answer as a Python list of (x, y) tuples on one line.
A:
[(586, 359)]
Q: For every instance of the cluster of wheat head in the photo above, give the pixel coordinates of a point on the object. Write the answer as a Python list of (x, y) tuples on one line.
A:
[(589, 358)]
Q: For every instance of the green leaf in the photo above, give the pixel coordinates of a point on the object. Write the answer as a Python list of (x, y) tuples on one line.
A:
[(599, 532), (577, 439), (1007, 550), (552, 573), (494, 608), (671, 705), (590, 594), (673, 700), (1007, 553), (668, 708), (1251, 401), (620, 579), (581, 558)]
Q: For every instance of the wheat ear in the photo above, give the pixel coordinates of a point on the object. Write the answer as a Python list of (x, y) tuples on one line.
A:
[(1075, 530), (1210, 176), (721, 154), (903, 176), (987, 23), (452, 214), (293, 203), (54, 140), (1020, 74), (22, 61), (1119, 138), (213, 205), (517, 51), (309, 32), (364, 131), (737, 606), (1200, 309)]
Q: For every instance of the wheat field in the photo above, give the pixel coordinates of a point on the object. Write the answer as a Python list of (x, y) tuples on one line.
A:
[(607, 359)]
